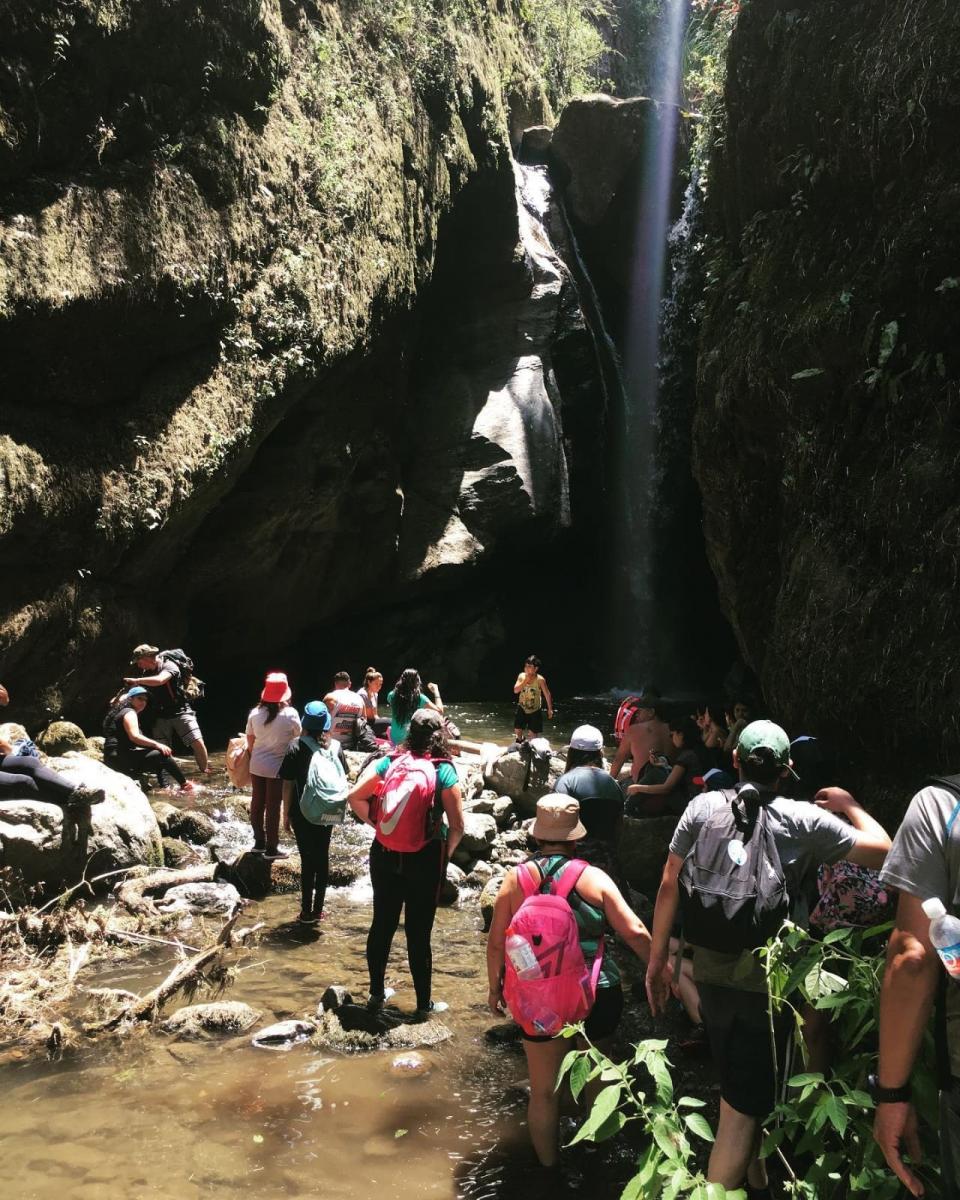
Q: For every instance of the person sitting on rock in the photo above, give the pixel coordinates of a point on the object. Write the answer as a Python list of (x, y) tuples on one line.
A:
[(370, 695), (169, 710), (23, 777), (648, 735), (674, 792), (126, 748), (346, 708)]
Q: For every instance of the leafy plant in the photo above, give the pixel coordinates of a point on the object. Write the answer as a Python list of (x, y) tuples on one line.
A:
[(822, 1133), (567, 43)]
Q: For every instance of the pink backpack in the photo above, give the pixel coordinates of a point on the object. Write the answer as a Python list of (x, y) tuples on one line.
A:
[(405, 806), (546, 981)]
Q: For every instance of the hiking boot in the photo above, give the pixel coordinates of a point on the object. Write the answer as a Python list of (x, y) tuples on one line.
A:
[(271, 855), (83, 796)]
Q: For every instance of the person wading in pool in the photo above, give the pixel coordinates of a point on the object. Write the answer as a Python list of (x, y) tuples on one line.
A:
[(392, 797)]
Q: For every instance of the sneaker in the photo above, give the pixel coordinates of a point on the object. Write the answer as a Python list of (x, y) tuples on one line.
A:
[(306, 918), (435, 1006), (375, 1003), (83, 796), (274, 854)]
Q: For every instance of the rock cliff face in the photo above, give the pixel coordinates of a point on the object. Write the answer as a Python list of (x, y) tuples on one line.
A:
[(827, 431), (275, 342)]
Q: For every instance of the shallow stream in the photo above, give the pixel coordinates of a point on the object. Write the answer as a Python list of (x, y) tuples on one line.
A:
[(150, 1116)]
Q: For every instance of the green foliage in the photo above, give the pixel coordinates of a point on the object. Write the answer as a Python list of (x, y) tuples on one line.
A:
[(822, 1133), (567, 43)]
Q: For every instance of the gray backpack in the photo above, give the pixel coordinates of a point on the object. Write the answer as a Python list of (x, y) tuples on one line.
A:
[(733, 892)]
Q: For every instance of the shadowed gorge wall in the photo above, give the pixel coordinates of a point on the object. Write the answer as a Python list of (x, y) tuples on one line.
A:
[(231, 413), (826, 434)]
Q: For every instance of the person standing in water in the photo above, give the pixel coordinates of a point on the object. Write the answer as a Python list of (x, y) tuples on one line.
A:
[(271, 728), (411, 800), (531, 692)]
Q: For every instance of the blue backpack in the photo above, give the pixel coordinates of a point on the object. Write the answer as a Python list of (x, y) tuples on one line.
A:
[(323, 800)]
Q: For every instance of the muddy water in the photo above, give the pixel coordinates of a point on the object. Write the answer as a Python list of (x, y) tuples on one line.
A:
[(156, 1118)]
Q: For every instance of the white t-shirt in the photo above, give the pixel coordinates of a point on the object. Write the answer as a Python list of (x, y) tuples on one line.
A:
[(272, 740)]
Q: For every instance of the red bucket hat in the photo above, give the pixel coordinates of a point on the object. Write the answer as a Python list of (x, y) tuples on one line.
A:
[(276, 689)]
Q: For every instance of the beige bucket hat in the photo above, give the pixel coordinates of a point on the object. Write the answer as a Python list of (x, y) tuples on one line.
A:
[(558, 819)]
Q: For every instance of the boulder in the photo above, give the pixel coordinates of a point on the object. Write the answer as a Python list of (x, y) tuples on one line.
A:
[(450, 888), (253, 875), (480, 876), (503, 811), (60, 736), (46, 846), (535, 144), (177, 853), (283, 1035), (479, 831), (164, 812), (201, 1020), (644, 844), (213, 897), (464, 859), (190, 826), (508, 775), (94, 748), (488, 898)]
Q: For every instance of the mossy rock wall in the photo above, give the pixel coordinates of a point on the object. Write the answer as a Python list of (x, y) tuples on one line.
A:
[(218, 219), (828, 420)]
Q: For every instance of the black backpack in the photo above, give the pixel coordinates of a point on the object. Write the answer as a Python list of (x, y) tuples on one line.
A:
[(188, 686), (733, 892)]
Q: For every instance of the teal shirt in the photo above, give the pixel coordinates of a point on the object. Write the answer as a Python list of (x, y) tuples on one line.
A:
[(446, 776), (590, 922), (399, 730)]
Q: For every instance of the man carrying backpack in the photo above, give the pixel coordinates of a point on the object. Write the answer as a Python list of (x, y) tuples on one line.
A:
[(734, 871), (405, 797), (166, 674)]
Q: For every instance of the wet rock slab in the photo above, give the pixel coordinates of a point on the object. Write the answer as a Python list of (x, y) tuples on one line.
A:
[(205, 1020)]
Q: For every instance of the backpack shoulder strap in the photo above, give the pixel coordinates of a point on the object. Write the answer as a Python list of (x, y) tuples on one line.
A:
[(530, 877), (573, 869), (949, 782)]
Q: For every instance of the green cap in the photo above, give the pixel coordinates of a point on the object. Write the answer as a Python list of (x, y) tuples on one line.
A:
[(764, 735)]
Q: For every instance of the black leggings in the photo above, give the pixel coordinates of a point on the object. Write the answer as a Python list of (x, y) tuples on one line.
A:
[(142, 761), (313, 842), (407, 883), (26, 777)]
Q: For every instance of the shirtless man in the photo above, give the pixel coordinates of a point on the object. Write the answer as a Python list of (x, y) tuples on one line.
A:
[(648, 734)]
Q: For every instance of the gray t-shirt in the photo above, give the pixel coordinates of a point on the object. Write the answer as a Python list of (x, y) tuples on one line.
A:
[(806, 836), (924, 861)]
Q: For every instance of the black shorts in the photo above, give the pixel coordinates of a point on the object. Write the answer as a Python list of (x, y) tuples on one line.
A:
[(602, 1020), (532, 721), (738, 1026)]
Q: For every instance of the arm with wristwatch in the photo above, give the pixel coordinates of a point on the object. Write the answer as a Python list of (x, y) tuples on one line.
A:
[(906, 1002)]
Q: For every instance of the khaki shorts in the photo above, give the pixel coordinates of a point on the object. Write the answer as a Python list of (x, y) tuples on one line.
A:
[(184, 725)]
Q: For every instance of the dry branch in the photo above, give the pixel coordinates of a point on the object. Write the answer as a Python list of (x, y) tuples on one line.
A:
[(131, 893)]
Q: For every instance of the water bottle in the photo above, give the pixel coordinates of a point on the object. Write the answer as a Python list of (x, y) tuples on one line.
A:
[(945, 935), (547, 1022), (522, 957)]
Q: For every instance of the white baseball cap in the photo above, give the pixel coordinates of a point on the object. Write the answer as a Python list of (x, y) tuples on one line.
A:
[(586, 737)]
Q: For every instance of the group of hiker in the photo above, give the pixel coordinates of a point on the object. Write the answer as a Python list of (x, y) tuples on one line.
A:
[(762, 834)]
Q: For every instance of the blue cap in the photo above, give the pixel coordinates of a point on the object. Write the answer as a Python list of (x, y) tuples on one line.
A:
[(136, 691), (316, 717)]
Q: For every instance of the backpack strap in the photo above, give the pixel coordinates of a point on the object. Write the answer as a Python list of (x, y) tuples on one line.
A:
[(530, 877), (563, 886)]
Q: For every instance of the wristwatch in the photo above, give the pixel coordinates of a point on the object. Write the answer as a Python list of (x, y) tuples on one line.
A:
[(885, 1095)]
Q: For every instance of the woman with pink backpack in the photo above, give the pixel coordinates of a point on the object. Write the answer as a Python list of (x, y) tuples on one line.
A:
[(412, 800), (546, 959)]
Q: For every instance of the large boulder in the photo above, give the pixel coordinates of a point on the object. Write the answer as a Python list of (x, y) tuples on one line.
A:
[(61, 736), (479, 830), (643, 848), (488, 898), (45, 845), (190, 826), (509, 775)]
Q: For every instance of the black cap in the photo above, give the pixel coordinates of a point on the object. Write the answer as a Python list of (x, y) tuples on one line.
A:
[(427, 716)]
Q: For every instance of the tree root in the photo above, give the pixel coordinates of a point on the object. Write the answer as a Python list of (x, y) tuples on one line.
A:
[(131, 893)]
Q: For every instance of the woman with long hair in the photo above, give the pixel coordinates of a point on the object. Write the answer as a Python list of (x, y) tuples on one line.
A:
[(409, 882), (271, 728), (597, 905), (407, 698)]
